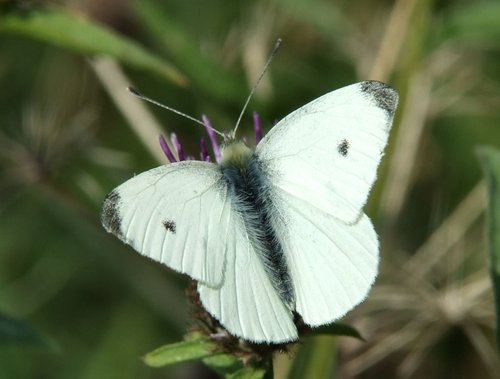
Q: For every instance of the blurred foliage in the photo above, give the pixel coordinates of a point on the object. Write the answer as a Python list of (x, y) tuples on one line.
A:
[(75, 33), (66, 140), (15, 331), (490, 159)]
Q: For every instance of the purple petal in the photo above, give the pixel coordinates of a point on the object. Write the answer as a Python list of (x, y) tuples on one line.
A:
[(177, 146), (256, 127), (212, 137), (203, 151), (166, 149)]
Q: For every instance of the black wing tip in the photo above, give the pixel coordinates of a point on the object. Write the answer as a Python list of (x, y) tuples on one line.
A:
[(110, 215), (384, 95)]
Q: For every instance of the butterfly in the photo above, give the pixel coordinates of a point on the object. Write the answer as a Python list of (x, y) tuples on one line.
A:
[(274, 231)]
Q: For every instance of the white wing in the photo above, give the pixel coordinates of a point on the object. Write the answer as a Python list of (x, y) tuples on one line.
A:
[(247, 304), (327, 152), (177, 214), (332, 264)]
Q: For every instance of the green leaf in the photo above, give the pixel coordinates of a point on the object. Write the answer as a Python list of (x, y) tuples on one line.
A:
[(490, 161), (181, 352), (338, 329), (16, 331), (74, 32), (231, 367), (198, 347), (224, 364), (249, 372)]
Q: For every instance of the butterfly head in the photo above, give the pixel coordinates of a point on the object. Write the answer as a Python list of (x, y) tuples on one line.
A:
[(234, 152)]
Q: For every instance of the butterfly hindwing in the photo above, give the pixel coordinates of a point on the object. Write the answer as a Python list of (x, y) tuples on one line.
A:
[(327, 152), (332, 264), (177, 214), (247, 304)]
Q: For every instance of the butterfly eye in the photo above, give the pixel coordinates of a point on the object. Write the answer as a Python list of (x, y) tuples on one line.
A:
[(343, 147), (170, 226)]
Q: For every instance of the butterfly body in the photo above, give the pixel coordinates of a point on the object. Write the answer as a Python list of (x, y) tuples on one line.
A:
[(250, 191), (273, 231)]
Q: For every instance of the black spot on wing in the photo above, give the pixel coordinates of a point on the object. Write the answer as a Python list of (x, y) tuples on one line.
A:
[(110, 215), (343, 147), (383, 95), (170, 226)]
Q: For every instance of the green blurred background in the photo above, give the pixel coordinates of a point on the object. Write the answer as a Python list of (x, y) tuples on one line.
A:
[(90, 307)]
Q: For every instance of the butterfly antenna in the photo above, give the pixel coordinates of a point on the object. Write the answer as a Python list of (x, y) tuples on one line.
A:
[(273, 53), (136, 93)]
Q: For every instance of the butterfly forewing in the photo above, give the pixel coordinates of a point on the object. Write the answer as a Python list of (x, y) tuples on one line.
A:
[(327, 152), (178, 214)]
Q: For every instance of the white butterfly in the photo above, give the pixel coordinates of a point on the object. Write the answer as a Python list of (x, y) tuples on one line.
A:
[(274, 231)]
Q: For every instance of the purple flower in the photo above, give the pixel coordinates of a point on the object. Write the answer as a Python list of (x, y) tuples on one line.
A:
[(204, 153)]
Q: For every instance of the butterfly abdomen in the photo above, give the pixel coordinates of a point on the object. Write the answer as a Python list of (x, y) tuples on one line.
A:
[(249, 191)]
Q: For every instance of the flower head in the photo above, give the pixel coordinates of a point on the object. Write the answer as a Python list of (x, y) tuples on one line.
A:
[(178, 154)]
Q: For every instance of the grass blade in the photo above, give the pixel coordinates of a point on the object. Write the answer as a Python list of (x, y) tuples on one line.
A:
[(490, 161)]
